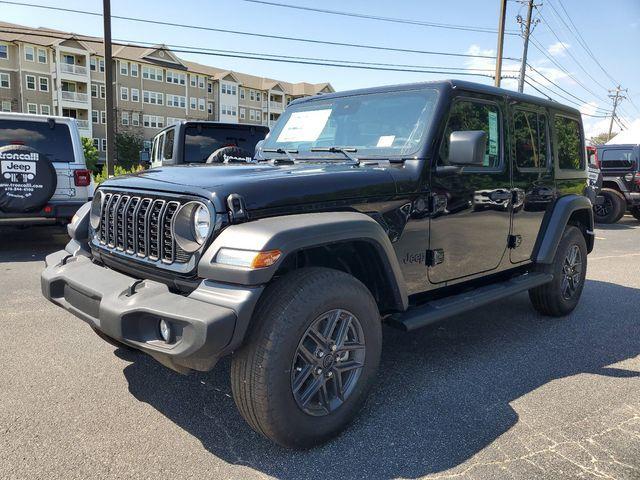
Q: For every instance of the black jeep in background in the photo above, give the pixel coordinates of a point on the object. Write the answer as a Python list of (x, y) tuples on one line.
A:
[(402, 205), (620, 167)]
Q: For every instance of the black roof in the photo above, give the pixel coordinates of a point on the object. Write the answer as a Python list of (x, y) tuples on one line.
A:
[(451, 84)]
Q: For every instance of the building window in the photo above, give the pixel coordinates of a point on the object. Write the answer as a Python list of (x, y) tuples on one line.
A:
[(4, 51), (257, 96), (210, 108), (243, 112), (242, 93), (176, 101), (252, 95), (5, 81), (104, 144), (153, 98), (153, 121), (252, 114), (92, 67), (45, 110), (31, 82), (201, 103), (103, 91), (173, 120), (94, 116), (177, 78), (193, 103), (152, 73), (134, 69), (42, 55), (125, 118), (44, 84), (124, 93), (135, 119), (94, 90), (103, 116), (101, 67), (135, 93), (29, 54), (32, 108), (193, 80), (209, 87), (6, 106), (124, 68), (200, 82), (96, 143)]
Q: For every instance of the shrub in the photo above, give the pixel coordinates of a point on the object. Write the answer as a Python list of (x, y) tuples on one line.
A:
[(117, 171)]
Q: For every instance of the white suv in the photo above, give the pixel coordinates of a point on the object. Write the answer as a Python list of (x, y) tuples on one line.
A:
[(43, 174)]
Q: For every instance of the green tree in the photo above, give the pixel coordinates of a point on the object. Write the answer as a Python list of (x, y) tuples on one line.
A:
[(601, 138), (128, 148), (90, 154)]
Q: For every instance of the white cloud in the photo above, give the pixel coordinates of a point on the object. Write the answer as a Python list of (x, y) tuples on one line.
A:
[(558, 49)]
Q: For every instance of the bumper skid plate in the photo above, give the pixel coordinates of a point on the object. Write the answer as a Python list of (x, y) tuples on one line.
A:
[(129, 310)]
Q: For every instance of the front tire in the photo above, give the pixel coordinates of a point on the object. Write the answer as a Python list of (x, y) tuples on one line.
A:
[(569, 268), (310, 359)]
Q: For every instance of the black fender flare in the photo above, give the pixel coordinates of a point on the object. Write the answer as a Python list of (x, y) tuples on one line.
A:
[(292, 233), (555, 223)]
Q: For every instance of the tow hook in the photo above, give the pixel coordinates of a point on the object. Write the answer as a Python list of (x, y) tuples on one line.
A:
[(132, 288)]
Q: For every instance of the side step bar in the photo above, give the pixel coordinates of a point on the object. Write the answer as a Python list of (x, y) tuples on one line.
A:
[(437, 310)]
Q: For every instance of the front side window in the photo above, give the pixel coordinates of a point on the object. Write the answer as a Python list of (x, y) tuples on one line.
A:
[(474, 115), (376, 124), (530, 134), (167, 151), (569, 146)]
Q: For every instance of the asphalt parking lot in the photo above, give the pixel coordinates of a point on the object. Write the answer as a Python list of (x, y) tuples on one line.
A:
[(503, 393)]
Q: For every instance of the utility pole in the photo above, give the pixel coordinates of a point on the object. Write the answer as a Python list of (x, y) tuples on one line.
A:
[(503, 11), (108, 79), (615, 95), (527, 32)]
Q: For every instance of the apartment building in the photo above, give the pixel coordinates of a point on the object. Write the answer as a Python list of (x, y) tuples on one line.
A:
[(59, 73)]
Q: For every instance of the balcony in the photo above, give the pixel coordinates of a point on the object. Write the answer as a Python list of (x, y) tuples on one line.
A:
[(75, 97), (83, 124), (276, 106), (73, 69)]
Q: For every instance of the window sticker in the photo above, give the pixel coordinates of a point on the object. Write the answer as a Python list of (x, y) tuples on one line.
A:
[(493, 133), (304, 126), (386, 140)]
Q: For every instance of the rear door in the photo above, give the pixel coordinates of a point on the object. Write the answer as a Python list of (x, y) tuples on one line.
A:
[(533, 184)]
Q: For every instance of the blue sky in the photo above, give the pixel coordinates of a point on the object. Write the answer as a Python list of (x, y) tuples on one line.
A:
[(613, 34)]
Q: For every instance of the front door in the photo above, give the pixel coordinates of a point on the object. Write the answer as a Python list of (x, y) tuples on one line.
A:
[(470, 221)]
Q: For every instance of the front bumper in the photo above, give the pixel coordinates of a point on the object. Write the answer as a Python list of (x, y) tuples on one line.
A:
[(129, 310)]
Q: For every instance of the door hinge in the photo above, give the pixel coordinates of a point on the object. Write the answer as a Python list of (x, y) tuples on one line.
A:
[(435, 257), (515, 241)]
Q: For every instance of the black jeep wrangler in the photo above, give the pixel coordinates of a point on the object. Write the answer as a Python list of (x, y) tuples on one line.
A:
[(402, 205), (620, 166)]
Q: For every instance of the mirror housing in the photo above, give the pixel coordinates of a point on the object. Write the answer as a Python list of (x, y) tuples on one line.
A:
[(467, 147)]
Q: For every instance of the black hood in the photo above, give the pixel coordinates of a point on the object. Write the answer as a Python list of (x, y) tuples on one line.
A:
[(266, 186)]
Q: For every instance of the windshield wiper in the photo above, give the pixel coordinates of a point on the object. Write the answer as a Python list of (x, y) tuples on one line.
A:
[(346, 151), (284, 151)]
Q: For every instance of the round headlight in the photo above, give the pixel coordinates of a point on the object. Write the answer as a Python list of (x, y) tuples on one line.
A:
[(201, 224), (96, 207), (192, 225)]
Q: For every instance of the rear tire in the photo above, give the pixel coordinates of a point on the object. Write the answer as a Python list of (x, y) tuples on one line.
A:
[(274, 374), (613, 207), (560, 296)]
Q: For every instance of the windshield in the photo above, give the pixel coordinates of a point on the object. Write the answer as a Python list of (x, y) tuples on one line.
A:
[(380, 124), (202, 140), (55, 142)]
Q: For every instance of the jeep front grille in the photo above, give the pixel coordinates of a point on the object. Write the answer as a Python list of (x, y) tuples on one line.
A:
[(140, 227)]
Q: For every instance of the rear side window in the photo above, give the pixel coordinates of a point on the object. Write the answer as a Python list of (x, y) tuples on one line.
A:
[(569, 143), (167, 153), (54, 142), (617, 158), (200, 141), (530, 133), (474, 115)]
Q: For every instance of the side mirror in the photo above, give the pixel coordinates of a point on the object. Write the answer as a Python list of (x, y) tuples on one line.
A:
[(467, 147)]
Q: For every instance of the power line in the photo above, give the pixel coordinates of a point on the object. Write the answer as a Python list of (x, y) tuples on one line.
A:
[(285, 59), (421, 23), (253, 34), (528, 82)]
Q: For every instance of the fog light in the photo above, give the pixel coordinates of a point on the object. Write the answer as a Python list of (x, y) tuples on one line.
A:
[(165, 330)]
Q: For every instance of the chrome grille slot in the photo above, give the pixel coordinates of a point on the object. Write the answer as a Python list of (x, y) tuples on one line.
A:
[(140, 227)]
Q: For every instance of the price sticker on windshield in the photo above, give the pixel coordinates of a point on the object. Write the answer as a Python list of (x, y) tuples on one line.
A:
[(304, 126)]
